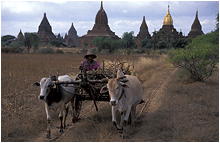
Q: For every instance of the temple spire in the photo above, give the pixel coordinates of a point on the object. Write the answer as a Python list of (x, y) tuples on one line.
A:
[(101, 8)]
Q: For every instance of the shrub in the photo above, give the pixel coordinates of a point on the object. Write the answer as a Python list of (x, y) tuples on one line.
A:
[(8, 50), (17, 47), (59, 51), (84, 51), (47, 50), (198, 61), (162, 45)]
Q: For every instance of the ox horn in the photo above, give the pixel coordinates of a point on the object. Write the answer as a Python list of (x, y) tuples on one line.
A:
[(121, 77)]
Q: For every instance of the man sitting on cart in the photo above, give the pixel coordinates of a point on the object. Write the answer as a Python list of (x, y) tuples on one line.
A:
[(89, 63)]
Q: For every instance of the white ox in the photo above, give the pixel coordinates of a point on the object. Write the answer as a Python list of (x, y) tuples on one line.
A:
[(55, 97), (124, 98)]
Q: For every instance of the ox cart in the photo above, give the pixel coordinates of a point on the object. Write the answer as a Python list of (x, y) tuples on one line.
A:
[(87, 87)]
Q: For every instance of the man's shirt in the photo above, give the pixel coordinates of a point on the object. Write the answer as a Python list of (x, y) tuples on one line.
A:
[(95, 65)]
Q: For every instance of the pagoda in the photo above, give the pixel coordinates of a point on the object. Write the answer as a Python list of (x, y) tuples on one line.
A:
[(20, 36), (100, 28), (196, 28), (72, 37), (168, 32), (45, 31), (143, 33)]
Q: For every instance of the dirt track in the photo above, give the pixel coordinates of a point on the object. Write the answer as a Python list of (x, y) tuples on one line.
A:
[(175, 111), (88, 128)]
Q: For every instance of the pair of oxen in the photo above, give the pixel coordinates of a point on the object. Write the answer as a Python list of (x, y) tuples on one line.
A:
[(125, 96)]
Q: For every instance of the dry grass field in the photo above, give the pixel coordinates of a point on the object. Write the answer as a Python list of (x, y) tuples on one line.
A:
[(179, 111)]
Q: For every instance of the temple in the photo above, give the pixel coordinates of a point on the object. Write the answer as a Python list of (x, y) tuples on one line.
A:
[(168, 32), (20, 36), (143, 33), (45, 31), (72, 37), (196, 28), (100, 28)]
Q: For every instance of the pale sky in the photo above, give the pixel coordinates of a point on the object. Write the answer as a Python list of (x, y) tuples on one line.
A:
[(123, 16)]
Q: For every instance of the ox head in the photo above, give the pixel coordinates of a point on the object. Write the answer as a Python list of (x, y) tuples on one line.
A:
[(114, 87), (46, 85)]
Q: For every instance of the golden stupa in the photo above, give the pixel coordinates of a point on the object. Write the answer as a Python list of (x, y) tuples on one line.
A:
[(168, 19)]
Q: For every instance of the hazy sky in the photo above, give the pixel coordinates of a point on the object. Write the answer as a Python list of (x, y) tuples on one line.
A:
[(123, 16)]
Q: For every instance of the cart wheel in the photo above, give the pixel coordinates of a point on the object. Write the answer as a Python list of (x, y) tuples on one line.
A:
[(76, 107)]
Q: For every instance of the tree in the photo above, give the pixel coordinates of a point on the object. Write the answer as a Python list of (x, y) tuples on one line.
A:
[(146, 43), (128, 40), (162, 45), (55, 42), (180, 43), (104, 43), (156, 38), (199, 58), (31, 40), (85, 44), (16, 46), (198, 62), (7, 39)]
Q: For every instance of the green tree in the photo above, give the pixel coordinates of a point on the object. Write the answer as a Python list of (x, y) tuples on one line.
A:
[(198, 62), (6, 40), (180, 43), (104, 43), (16, 46), (128, 40), (162, 45), (85, 44), (7, 37), (199, 58), (146, 43), (55, 42), (156, 38), (31, 40)]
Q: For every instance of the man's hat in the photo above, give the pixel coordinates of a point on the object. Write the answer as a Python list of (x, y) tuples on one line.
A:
[(89, 53)]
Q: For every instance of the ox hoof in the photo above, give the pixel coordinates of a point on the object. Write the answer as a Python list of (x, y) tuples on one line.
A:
[(125, 122), (120, 130), (125, 137), (61, 130), (114, 123), (48, 136)]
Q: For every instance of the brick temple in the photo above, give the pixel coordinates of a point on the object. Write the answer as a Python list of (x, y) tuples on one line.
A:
[(196, 28), (100, 28)]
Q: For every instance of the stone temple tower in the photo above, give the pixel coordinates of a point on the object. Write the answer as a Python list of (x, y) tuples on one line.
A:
[(143, 33), (72, 37), (168, 32), (100, 28), (45, 31), (196, 28)]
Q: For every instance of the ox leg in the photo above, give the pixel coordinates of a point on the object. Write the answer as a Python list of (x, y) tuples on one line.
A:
[(61, 118), (114, 116), (133, 111), (128, 111), (66, 113), (120, 127), (114, 121), (48, 120), (126, 128)]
